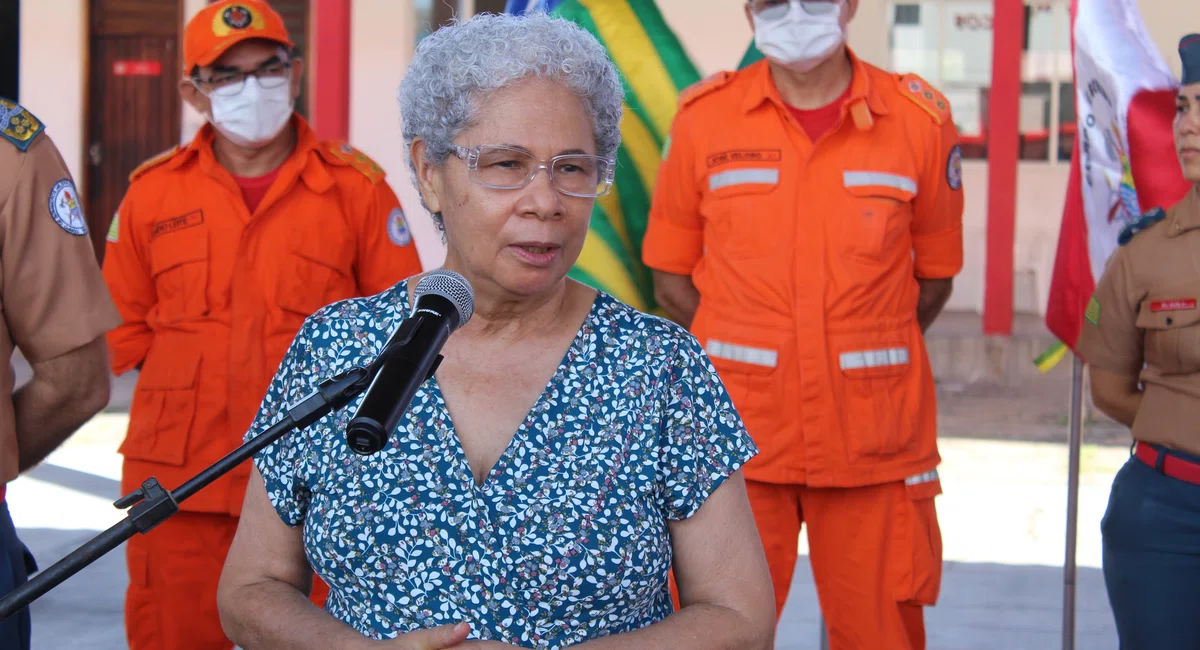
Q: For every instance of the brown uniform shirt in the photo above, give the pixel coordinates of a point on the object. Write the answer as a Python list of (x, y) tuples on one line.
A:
[(52, 296), (1144, 320)]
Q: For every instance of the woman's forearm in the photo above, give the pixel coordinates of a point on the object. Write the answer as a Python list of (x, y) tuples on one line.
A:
[(695, 627), (274, 614)]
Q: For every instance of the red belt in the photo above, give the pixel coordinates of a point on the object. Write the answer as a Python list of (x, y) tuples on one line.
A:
[(3, 490), (1173, 466)]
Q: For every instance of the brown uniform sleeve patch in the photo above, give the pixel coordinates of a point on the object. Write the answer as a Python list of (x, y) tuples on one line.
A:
[(932, 101), (342, 154), (153, 162)]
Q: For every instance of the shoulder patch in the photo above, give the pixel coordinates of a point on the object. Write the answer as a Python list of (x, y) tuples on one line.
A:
[(704, 86), (18, 125), (930, 99), (954, 168), (114, 228), (1141, 223), (344, 155), (397, 228), (154, 162), (63, 205), (1092, 314)]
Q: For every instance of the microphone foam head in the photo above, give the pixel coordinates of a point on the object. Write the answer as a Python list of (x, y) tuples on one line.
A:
[(452, 287)]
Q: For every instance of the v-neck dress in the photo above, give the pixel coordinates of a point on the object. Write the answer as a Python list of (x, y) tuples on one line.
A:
[(566, 539)]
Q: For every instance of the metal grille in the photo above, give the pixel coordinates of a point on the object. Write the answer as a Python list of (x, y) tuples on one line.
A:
[(452, 287)]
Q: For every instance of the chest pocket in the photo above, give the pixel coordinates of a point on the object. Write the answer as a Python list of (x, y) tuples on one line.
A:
[(179, 266), (879, 212), (1172, 326), (318, 271), (739, 208)]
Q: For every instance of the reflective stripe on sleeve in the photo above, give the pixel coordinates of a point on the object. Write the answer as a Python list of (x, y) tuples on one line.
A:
[(927, 477)]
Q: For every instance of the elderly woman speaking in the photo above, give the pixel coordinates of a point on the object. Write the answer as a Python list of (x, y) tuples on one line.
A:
[(568, 451)]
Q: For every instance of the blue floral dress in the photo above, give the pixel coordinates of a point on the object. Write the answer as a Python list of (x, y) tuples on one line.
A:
[(566, 540)]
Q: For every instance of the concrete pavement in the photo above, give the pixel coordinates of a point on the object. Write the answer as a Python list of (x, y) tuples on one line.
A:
[(1002, 514)]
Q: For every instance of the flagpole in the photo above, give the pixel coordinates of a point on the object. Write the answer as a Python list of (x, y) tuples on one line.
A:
[(1075, 441)]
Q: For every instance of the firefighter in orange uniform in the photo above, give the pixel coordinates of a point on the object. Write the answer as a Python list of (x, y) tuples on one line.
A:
[(218, 252), (806, 225)]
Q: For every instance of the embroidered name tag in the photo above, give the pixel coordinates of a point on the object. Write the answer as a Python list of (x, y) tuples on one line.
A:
[(726, 157), (1178, 304), (177, 223)]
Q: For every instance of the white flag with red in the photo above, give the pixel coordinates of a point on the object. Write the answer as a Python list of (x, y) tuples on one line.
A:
[(1124, 163)]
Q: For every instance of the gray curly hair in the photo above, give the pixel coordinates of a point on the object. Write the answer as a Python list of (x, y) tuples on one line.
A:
[(457, 65)]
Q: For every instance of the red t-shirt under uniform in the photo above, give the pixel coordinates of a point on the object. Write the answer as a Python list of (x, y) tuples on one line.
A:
[(255, 188), (817, 122)]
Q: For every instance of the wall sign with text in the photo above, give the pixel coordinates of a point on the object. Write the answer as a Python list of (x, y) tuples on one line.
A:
[(137, 68)]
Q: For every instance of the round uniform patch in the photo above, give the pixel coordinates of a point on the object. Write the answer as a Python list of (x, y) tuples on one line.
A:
[(64, 207), (954, 168), (237, 17), (397, 228)]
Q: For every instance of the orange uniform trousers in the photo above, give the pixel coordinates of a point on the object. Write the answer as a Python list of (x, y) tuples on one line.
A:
[(876, 553), (178, 571)]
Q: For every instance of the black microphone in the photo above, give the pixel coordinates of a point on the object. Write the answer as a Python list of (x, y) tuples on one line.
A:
[(444, 303)]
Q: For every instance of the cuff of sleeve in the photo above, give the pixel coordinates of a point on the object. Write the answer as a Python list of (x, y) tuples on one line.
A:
[(60, 337), (672, 249), (938, 256), (1104, 359), (127, 347), (280, 488), (711, 477)]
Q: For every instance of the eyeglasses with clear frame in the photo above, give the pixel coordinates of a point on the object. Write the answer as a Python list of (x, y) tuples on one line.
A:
[(776, 9), (502, 167), (272, 74)]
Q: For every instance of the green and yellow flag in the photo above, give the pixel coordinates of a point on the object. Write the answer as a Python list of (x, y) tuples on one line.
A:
[(752, 55), (654, 69)]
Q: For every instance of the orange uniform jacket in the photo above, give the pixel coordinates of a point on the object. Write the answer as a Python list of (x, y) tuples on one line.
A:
[(212, 295), (806, 258)]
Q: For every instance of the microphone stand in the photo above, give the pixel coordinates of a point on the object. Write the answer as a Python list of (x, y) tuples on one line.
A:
[(151, 504)]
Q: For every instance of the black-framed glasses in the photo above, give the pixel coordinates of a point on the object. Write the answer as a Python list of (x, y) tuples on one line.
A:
[(271, 74), (509, 168), (776, 9)]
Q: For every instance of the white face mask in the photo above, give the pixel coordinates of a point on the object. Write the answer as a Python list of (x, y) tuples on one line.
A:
[(254, 116), (800, 40)]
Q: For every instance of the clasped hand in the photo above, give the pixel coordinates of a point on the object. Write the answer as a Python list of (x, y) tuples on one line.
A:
[(446, 637)]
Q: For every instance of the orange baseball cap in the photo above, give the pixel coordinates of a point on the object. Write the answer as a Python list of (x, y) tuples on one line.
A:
[(223, 24)]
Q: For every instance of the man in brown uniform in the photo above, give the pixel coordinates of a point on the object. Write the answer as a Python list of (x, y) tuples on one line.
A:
[(56, 310), (1141, 340)]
